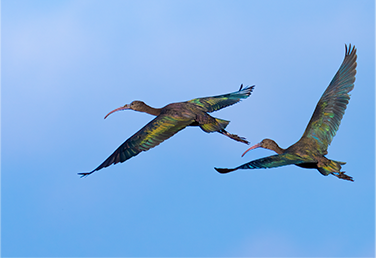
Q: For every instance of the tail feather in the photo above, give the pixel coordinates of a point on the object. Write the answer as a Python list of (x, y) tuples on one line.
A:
[(334, 168), (217, 125)]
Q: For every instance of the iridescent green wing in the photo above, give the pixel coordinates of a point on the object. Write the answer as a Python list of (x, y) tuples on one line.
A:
[(267, 162), (273, 161), (215, 103), (156, 131), (330, 109)]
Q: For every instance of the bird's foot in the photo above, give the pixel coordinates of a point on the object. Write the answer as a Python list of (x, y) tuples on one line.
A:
[(234, 137), (239, 139), (342, 175)]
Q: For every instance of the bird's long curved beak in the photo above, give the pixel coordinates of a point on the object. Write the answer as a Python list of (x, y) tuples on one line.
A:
[(258, 145), (126, 106)]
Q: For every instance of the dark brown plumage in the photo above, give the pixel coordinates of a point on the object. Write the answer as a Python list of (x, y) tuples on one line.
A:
[(310, 150), (170, 120)]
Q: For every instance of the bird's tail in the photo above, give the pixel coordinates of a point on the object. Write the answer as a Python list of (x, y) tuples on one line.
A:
[(334, 168), (215, 126), (330, 167)]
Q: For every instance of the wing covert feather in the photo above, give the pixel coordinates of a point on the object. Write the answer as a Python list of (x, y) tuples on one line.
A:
[(273, 161), (152, 134)]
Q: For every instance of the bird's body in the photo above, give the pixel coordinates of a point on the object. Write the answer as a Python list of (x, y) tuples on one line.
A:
[(310, 150), (171, 119)]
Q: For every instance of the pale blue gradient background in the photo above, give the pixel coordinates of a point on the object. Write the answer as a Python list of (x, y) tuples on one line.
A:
[(66, 64)]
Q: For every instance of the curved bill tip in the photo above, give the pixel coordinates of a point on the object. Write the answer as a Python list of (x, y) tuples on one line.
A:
[(258, 145), (118, 109)]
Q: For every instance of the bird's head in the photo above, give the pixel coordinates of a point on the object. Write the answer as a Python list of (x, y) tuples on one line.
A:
[(266, 144), (135, 105)]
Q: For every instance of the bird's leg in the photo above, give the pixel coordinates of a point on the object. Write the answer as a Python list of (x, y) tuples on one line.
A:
[(342, 175), (234, 136)]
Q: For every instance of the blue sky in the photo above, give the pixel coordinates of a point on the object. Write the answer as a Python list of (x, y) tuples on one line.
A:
[(66, 64)]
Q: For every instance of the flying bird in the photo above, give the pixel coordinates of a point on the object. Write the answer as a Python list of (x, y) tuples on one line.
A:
[(310, 150), (171, 119)]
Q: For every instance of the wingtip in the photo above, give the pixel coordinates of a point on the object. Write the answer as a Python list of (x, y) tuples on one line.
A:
[(84, 174), (349, 49), (247, 90), (225, 170)]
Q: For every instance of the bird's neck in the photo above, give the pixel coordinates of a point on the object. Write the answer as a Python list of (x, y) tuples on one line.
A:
[(275, 147), (150, 110)]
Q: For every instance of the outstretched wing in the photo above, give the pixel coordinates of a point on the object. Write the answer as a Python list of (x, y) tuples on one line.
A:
[(215, 103), (332, 105), (156, 131), (267, 162)]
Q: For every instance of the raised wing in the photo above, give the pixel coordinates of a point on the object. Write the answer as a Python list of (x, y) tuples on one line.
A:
[(215, 103), (332, 105), (267, 162), (156, 131)]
